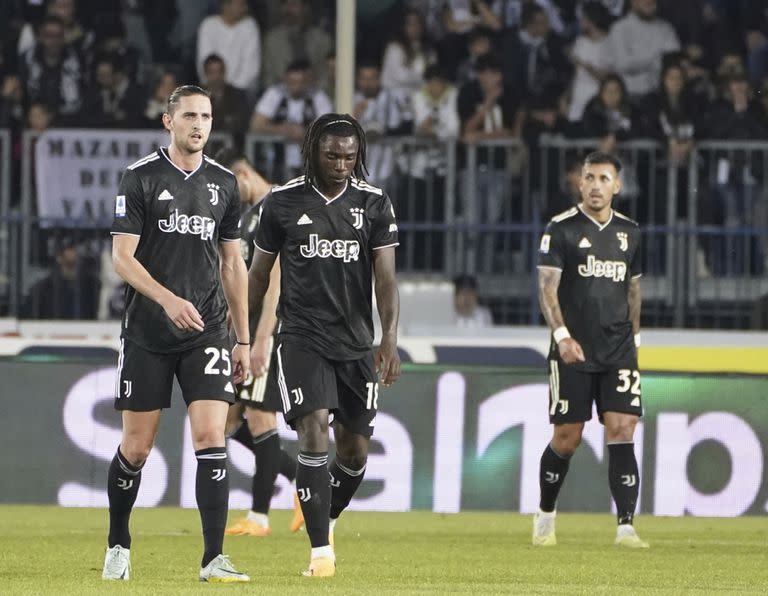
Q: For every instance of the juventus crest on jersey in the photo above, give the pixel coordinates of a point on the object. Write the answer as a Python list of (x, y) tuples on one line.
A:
[(326, 255), (180, 217), (597, 262)]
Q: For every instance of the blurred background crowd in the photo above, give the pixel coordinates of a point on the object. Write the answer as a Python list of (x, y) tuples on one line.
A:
[(678, 72)]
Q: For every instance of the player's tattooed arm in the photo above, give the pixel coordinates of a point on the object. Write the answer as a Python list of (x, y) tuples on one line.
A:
[(635, 302), (388, 304), (549, 280)]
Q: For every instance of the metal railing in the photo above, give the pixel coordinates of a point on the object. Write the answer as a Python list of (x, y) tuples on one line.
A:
[(481, 209)]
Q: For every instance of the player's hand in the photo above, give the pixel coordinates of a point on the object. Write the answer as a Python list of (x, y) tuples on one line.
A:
[(241, 363), (388, 361), (261, 352), (570, 351), (183, 314)]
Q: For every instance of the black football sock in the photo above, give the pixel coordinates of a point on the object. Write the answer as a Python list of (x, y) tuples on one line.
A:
[(624, 480), (314, 488), (243, 436), (212, 492), (552, 471), (344, 484), (287, 465), (123, 480), (266, 449)]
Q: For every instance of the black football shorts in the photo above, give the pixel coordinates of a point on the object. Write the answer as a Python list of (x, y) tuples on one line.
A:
[(145, 379), (308, 382), (572, 392), (262, 393)]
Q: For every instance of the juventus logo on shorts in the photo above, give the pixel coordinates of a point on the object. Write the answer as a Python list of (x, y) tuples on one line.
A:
[(128, 388), (214, 190), (219, 474), (304, 495), (124, 484), (563, 405), (298, 396), (357, 215)]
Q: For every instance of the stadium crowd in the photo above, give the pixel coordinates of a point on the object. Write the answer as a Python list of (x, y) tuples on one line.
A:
[(471, 70)]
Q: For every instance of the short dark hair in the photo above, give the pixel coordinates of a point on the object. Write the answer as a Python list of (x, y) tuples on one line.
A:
[(368, 63), (299, 65), (600, 157), (479, 33), (229, 156), (211, 58), (488, 62), (183, 91), (598, 14), (464, 282), (338, 125), (435, 71), (528, 13)]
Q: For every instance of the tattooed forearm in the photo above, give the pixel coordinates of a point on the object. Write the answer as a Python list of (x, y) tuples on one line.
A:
[(635, 301), (549, 280)]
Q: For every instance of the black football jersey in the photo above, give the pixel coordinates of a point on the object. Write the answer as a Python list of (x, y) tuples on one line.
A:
[(180, 218), (326, 257), (597, 262)]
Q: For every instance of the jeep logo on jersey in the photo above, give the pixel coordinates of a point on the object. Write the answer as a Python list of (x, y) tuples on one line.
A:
[(349, 250), (615, 270), (188, 224)]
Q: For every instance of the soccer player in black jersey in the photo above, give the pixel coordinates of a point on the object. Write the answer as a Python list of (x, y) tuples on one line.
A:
[(334, 233), (256, 398), (589, 291), (176, 242)]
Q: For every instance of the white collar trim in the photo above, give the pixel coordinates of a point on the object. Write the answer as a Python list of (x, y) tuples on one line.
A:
[(164, 151), (326, 199), (601, 226)]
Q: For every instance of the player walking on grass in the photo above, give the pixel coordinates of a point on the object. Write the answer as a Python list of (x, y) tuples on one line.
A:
[(176, 242), (589, 292), (333, 231), (258, 396)]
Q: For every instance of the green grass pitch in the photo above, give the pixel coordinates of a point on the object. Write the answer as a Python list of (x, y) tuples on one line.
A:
[(51, 550)]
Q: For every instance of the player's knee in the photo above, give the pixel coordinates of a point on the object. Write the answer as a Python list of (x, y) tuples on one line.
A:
[(205, 438), (136, 451), (566, 444), (260, 421), (621, 431)]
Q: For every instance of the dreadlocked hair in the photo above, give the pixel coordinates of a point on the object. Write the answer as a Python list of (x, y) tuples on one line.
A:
[(336, 125)]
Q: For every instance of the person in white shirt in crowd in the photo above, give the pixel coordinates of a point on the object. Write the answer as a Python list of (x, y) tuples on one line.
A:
[(638, 43), (287, 109), (380, 112), (235, 36), (591, 55), (467, 310), (407, 57)]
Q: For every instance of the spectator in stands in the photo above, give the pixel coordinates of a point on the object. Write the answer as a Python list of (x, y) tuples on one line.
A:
[(111, 102), (40, 117), (460, 17), (288, 109), (69, 291), (590, 55), (11, 102), (609, 115), (568, 194), (157, 103), (736, 117), (230, 105), (328, 80), (406, 58), (53, 72), (380, 112), (296, 38), (234, 35), (75, 35), (467, 309), (638, 43), (111, 38), (533, 59), (511, 12), (754, 26), (479, 43), (669, 114), (435, 106)]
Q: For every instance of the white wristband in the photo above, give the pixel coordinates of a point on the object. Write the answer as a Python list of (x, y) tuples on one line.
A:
[(560, 334), (637, 340)]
